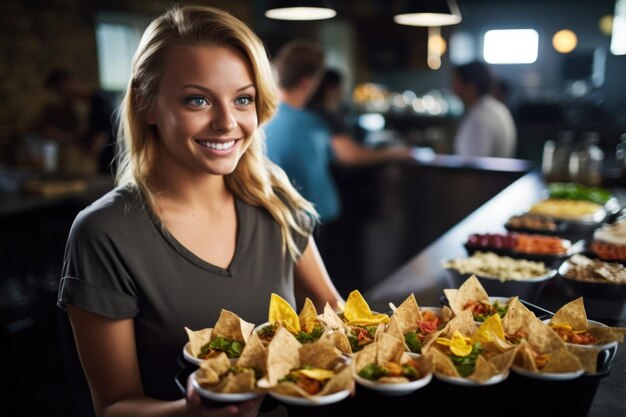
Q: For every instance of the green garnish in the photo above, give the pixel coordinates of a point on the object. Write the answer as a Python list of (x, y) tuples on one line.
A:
[(315, 334), (465, 364), (232, 348), (372, 372), (413, 342)]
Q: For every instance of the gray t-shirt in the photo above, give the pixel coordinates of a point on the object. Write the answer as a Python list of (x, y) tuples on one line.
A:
[(120, 263)]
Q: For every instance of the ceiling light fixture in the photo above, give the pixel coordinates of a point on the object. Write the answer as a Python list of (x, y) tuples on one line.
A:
[(300, 10), (429, 13)]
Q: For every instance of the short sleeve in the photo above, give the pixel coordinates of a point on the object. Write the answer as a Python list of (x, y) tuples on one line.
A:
[(95, 276), (307, 223)]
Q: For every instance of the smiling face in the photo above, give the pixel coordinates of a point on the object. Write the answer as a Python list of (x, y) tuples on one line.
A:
[(205, 110)]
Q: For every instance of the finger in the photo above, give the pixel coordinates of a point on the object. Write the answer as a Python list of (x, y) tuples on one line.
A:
[(193, 398)]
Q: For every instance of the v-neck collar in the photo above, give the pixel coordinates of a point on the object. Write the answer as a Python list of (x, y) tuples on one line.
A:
[(196, 260)]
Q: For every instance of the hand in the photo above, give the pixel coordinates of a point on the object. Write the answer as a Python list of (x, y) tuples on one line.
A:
[(196, 408)]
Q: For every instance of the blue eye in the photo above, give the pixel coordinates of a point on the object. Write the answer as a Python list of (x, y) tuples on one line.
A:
[(244, 100), (197, 101)]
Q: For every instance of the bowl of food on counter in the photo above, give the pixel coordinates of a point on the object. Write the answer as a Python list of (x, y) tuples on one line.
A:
[(502, 275), (551, 250), (609, 242), (594, 278), (579, 192), (535, 224), (574, 212)]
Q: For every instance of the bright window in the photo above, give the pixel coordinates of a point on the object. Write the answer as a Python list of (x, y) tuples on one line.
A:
[(511, 46)]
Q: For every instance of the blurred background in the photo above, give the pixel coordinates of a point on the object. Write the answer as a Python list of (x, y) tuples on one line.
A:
[(564, 68)]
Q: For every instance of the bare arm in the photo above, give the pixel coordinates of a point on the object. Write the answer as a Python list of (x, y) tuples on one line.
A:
[(312, 280), (350, 152), (107, 352)]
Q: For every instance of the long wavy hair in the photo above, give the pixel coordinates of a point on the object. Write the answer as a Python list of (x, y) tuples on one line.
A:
[(255, 180)]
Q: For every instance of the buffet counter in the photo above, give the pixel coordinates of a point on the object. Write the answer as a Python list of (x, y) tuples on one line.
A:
[(425, 277)]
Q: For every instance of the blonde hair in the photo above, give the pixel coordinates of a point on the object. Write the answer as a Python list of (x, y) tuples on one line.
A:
[(255, 180)]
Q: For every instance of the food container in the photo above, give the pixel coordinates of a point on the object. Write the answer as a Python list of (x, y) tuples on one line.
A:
[(524, 223), (526, 289)]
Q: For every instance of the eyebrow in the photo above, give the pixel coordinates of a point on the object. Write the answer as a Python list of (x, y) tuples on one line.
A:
[(208, 90)]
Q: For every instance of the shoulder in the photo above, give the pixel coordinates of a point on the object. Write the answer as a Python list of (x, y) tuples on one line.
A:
[(116, 210)]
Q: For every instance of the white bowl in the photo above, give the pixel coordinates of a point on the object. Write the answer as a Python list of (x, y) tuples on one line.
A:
[(394, 389), (187, 355), (313, 401), (603, 346), (561, 376), (471, 383), (234, 397)]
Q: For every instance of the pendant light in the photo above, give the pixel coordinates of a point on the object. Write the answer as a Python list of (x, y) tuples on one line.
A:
[(300, 10), (429, 13)]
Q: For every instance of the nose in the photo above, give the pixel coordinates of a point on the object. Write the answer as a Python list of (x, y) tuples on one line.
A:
[(223, 119)]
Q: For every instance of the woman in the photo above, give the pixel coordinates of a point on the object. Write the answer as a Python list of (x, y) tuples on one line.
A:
[(200, 220)]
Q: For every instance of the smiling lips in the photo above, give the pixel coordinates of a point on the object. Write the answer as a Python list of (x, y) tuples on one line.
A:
[(220, 146)]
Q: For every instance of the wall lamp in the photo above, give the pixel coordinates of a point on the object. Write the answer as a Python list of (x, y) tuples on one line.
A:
[(300, 10), (428, 13)]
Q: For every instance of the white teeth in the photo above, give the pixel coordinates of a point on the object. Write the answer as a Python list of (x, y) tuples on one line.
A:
[(217, 145)]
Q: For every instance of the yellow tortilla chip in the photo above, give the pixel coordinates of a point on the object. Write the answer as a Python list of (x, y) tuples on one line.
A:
[(357, 312), (489, 330), (281, 312), (308, 316), (197, 339), (232, 327), (572, 314), (283, 355)]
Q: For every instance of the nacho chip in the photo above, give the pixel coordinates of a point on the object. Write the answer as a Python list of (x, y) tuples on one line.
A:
[(520, 320), (463, 323), (407, 315), (490, 330), (243, 381), (320, 354), (331, 319), (388, 349), (308, 316), (283, 355), (470, 291), (364, 357), (483, 370), (339, 339), (394, 328), (254, 354), (588, 357), (441, 363), (198, 339), (281, 312), (605, 334), (211, 369), (357, 312), (562, 361), (572, 314), (232, 327)]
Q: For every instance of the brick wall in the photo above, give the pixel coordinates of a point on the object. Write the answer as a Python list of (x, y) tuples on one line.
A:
[(39, 35)]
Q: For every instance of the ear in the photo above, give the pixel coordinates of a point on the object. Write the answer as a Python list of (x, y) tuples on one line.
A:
[(150, 117)]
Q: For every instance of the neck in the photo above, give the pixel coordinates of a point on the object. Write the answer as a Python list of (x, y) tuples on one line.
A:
[(294, 98)]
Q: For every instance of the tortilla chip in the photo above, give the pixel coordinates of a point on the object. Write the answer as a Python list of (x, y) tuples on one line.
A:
[(462, 322), (525, 358), (606, 334), (339, 339), (562, 361), (540, 336), (364, 357), (407, 315), (483, 370), (489, 331), (341, 381), (308, 316), (254, 354), (197, 339), (280, 311), (394, 328), (587, 357), (319, 354), (232, 327), (238, 382), (471, 290), (331, 318), (357, 312), (389, 349), (441, 363), (283, 355), (211, 369), (572, 314), (446, 314), (504, 361)]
